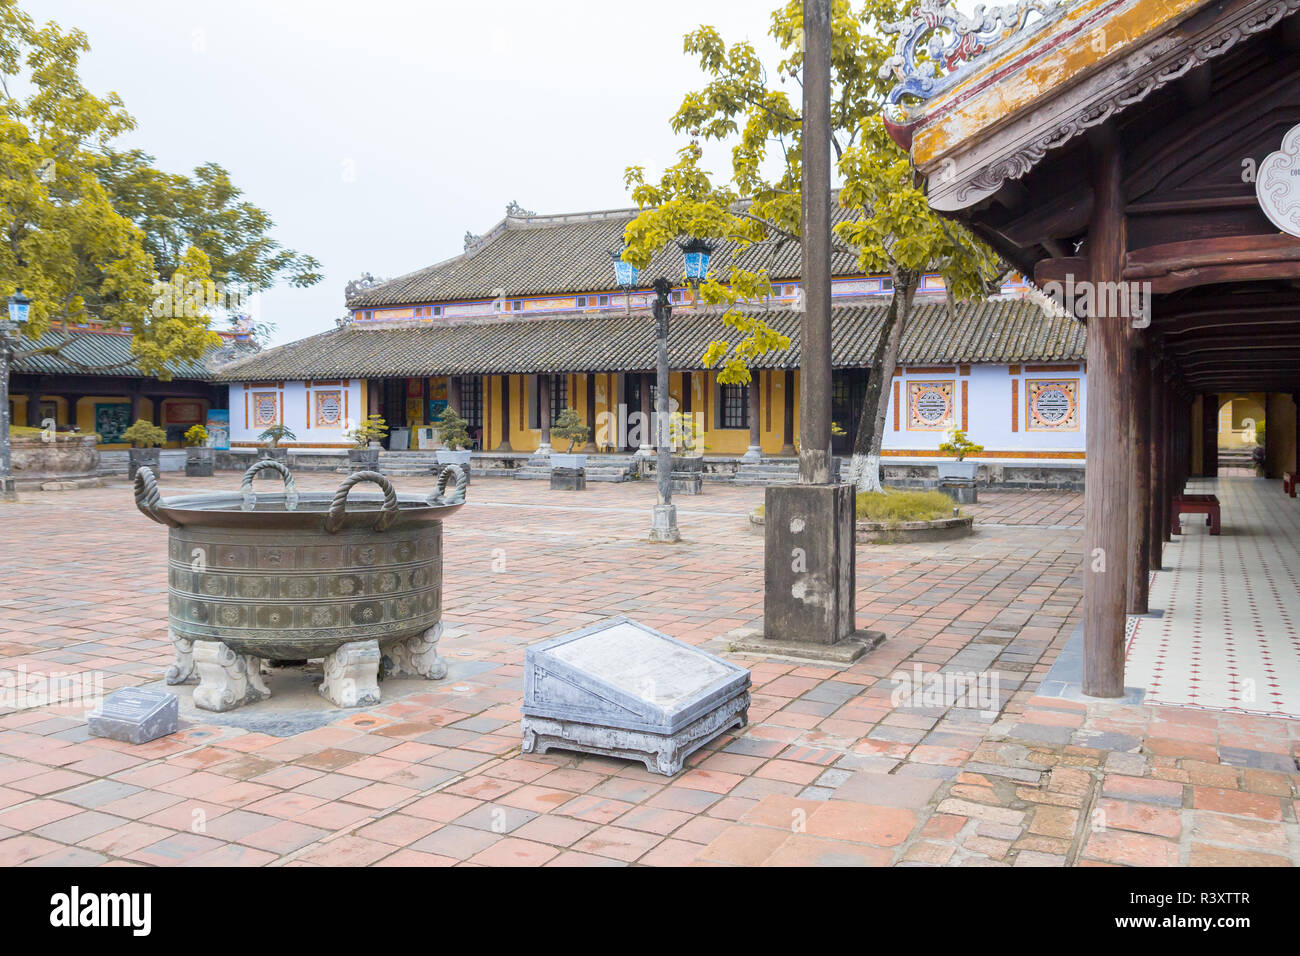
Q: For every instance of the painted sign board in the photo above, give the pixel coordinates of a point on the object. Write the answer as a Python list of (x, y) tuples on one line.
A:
[(218, 426)]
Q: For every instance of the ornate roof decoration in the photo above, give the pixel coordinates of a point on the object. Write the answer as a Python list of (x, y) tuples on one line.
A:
[(995, 117), (358, 285), (516, 211), (955, 39)]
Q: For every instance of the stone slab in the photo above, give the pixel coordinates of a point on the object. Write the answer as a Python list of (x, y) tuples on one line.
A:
[(622, 675), (135, 715)]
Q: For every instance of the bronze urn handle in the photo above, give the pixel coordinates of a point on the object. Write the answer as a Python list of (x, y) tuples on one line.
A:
[(148, 498), (334, 520), (439, 497), (268, 464)]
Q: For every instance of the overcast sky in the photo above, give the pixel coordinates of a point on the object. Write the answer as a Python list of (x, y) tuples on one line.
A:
[(376, 133)]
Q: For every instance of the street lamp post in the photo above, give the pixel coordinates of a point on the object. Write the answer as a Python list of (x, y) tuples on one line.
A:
[(695, 253), (663, 522), (18, 306)]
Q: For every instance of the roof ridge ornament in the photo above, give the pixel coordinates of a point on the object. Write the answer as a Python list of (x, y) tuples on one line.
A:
[(966, 39), (516, 211)]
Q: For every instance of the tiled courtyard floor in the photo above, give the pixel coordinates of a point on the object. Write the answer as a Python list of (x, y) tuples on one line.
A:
[(828, 771)]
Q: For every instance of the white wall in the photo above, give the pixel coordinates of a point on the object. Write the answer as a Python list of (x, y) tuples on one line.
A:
[(294, 401), (989, 417)]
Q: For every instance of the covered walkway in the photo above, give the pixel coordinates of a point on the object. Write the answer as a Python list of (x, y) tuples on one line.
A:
[(1223, 632)]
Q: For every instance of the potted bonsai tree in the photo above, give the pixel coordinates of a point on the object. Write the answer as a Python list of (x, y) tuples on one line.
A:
[(145, 439), (569, 427), (366, 438), (959, 446), (273, 436), (453, 432), (200, 460), (686, 439)]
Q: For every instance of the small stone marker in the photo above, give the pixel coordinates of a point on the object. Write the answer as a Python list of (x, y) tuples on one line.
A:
[(135, 715), (621, 689)]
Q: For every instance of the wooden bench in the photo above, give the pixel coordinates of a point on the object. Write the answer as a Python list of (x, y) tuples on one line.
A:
[(1289, 481), (1207, 505)]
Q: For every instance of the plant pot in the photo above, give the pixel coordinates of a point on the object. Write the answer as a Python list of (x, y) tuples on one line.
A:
[(278, 454), (453, 456), (363, 459), (574, 462), (200, 461), (149, 457), (958, 470), (564, 478)]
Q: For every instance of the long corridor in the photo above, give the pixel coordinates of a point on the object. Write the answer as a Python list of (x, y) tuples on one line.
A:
[(1227, 638)]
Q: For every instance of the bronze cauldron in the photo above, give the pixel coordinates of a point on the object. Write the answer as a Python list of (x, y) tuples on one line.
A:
[(293, 576)]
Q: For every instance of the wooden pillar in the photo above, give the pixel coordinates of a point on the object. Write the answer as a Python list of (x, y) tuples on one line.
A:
[(1295, 462), (1168, 455), (1210, 435), (591, 409), (1139, 501), (647, 428), (33, 415), (1155, 453), (71, 401), (505, 415), (453, 392), (787, 422), (753, 396), (1106, 548), (135, 406), (544, 407)]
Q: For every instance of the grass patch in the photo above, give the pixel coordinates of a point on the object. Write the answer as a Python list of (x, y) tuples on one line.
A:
[(893, 507)]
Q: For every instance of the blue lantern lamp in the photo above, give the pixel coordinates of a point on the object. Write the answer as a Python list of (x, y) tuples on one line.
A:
[(18, 306), (625, 276), (696, 253)]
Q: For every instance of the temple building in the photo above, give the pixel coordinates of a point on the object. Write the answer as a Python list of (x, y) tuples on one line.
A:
[(528, 321), (92, 384)]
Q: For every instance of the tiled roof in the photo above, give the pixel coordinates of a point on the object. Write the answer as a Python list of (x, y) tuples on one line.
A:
[(997, 330), (102, 351), (544, 255)]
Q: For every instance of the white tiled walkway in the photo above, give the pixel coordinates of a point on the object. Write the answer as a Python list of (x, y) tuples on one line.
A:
[(1228, 638)]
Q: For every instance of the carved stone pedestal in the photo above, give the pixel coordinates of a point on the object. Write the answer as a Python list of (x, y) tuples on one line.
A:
[(663, 524), (182, 670), (226, 679), (417, 656), (352, 675)]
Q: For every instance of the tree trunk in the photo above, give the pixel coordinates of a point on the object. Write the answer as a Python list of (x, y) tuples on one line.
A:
[(865, 466)]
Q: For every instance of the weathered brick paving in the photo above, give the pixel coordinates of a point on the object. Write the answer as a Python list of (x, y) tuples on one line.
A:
[(827, 772)]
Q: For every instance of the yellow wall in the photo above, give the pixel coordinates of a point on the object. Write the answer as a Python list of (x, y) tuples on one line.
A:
[(731, 441), (84, 417), (1280, 436), (1234, 410)]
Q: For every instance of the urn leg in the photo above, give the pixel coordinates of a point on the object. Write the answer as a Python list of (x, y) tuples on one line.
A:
[(226, 679), (181, 670), (352, 675), (418, 656)]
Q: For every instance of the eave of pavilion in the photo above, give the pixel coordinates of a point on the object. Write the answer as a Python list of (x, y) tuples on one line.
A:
[(1047, 81), (1001, 146)]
